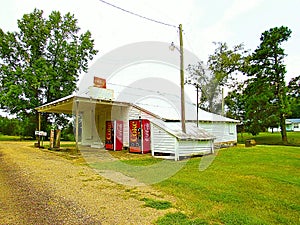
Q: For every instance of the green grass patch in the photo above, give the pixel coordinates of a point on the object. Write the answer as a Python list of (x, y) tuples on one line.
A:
[(157, 204), (142, 161), (257, 185), (13, 138), (179, 218), (64, 145), (146, 171), (267, 138)]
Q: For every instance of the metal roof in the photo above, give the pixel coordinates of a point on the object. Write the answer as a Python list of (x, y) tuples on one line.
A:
[(293, 120), (161, 105), (192, 131), (170, 124)]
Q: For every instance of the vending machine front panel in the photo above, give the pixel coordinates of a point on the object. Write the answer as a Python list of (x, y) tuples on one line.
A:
[(135, 136), (109, 136), (118, 143), (146, 134)]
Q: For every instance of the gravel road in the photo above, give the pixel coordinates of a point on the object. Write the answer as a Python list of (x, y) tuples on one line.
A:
[(40, 187)]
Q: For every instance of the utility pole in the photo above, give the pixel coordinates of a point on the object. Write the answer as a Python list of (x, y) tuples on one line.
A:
[(182, 81)]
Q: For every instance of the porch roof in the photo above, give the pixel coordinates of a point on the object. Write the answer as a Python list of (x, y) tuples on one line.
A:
[(67, 105)]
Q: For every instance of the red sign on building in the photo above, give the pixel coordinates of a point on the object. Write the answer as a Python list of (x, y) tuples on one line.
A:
[(99, 82)]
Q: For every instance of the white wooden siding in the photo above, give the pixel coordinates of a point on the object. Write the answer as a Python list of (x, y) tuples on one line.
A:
[(162, 141), (223, 131), (190, 148)]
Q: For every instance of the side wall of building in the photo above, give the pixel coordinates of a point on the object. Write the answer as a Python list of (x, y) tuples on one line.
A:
[(224, 132)]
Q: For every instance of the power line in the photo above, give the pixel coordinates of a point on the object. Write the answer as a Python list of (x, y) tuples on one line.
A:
[(138, 15)]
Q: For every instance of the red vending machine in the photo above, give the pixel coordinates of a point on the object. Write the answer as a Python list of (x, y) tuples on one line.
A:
[(139, 136), (114, 135)]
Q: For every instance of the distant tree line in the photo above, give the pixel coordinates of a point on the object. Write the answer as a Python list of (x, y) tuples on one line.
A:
[(11, 127), (17, 127)]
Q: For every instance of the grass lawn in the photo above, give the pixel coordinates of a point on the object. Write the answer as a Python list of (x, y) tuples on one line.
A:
[(257, 185), (267, 138), (9, 138)]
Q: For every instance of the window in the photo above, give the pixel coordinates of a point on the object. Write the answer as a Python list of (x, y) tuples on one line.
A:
[(231, 128)]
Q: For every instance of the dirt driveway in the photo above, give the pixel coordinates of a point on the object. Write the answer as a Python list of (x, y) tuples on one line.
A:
[(39, 187)]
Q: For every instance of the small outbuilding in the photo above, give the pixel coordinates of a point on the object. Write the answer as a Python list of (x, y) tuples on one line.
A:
[(291, 125)]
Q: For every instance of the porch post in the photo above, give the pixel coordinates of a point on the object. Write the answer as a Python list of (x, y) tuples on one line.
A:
[(76, 124), (39, 129)]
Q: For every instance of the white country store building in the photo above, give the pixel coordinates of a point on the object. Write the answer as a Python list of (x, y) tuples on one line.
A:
[(96, 105)]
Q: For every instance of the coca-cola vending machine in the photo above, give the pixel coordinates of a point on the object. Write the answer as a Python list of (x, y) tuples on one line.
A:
[(139, 136), (114, 135)]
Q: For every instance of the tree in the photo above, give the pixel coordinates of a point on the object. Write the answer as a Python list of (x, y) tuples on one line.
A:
[(235, 102), (41, 62), (266, 101), (10, 126), (293, 86), (207, 85), (294, 96), (225, 63), (221, 67)]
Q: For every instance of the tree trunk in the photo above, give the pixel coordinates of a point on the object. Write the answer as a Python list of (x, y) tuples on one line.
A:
[(283, 129)]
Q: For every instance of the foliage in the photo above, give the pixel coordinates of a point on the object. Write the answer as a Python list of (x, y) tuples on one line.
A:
[(262, 101), (222, 65), (235, 102), (207, 86), (225, 62), (294, 85), (294, 96), (16, 126), (257, 185), (24, 127), (266, 99), (67, 134), (10, 126), (42, 61), (295, 108)]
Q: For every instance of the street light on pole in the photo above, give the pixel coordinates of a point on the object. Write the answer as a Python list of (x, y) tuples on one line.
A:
[(172, 47)]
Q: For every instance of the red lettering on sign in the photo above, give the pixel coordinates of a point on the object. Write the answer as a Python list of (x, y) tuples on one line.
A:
[(99, 82)]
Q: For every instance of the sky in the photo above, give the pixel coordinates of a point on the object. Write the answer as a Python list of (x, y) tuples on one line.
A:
[(204, 22)]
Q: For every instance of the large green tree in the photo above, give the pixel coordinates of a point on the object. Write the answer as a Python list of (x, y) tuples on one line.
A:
[(221, 67), (42, 61), (266, 92)]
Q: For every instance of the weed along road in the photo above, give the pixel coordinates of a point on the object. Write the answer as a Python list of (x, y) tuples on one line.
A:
[(41, 187)]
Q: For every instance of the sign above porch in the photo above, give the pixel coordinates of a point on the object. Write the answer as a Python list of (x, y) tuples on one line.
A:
[(99, 91), (99, 82)]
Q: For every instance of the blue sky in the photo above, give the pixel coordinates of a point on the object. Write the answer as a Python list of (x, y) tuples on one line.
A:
[(231, 21)]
